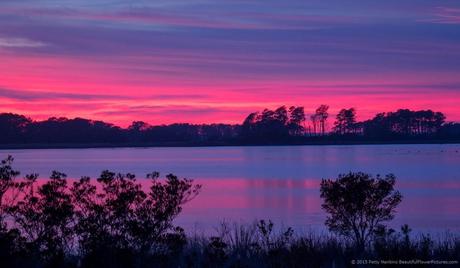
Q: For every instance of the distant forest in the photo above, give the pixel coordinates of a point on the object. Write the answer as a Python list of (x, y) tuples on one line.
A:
[(280, 126)]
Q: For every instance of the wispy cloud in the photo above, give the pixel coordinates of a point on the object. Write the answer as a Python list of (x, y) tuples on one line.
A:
[(29, 95), (17, 42), (32, 95), (223, 16), (445, 15)]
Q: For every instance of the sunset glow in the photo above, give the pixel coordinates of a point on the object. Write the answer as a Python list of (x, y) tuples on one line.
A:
[(205, 62)]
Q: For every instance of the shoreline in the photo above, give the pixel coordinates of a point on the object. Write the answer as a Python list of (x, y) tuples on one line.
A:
[(214, 144)]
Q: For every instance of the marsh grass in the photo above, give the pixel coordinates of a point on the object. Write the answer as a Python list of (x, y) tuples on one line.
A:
[(257, 245)]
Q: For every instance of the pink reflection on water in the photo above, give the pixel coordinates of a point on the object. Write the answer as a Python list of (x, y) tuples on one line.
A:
[(257, 193), (426, 205), (297, 203), (289, 201)]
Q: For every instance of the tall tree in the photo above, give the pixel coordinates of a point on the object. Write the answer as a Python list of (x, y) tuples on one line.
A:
[(314, 122), (281, 115), (345, 121), (296, 120), (403, 123), (322, 114)]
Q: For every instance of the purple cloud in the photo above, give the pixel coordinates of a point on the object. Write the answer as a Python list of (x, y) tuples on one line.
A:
[(29, 95)]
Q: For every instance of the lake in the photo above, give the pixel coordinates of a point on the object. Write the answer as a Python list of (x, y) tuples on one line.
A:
[(281, 183)]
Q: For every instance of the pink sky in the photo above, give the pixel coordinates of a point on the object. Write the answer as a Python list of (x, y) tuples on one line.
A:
[(206, 63)]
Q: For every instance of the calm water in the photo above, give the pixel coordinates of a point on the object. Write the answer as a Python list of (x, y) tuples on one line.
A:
[(279, 183)]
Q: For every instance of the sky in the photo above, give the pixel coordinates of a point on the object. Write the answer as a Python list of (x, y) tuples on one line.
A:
[(207, 61)]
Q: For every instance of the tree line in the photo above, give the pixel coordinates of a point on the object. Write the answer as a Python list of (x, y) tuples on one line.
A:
[(281, 125)]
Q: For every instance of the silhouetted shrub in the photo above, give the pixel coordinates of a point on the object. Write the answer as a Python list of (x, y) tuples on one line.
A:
[(124, 218), (44, 218), (113, 221), (358, 204)]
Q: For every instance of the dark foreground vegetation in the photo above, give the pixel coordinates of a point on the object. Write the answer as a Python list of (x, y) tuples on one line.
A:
[(281, 126), (116, 221)]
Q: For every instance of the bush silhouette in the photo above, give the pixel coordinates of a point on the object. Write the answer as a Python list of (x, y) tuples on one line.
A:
[(113, 221), (7, 182), (44, 217), (358, 204), (122, 219)]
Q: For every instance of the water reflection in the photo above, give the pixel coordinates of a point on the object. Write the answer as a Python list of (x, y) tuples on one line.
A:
[(426, 206), (278, 183)]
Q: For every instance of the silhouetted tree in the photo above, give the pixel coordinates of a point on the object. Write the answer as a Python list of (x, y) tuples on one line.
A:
[(137, 130), (296, 121), (267, 126), (321, 116), (138, 126), (13, 128), (281, 115), (314, 122), (358, 204), (250, 126), (345, 121), (404, 123)]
